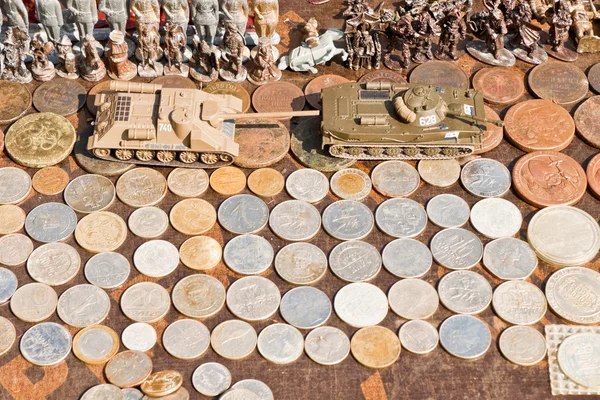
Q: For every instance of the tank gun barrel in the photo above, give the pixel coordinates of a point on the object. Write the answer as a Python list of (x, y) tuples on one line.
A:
[(134, 87), (273, 115), (462, 114)]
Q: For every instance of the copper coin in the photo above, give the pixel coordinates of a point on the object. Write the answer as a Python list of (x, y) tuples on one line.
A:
[(128, 368), (439, 73), (312, 91), (266, 182), (594, 77), (263, 142), (50, 180), (549, 178), (493, 135), (500, 85), (587, 120), (539, 125), (15, 99), (559, 82), (228, 181), (382, 76), (232, 89), (59, 96), (278, 97), (1, 140), (91, 96), (593, 174), (174, 81)]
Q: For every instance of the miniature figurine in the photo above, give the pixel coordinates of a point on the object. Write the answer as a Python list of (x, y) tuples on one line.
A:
[(16, 14), (355, 8), (85, 14), (149, 52), (560, 23), (176, 12), (264, 70), (525, 42), (117, 13), (454, 30), (146, 12), (205, 16), (49, 14), (68, 64), (362, 36), (587, 41), (236, 11), (492, 27), (304, 57), (14, 53), (92, 68), (266, 17), (311, 32), (119, 67), (42, 69), (175, 41), (425, 28), (363, 49), (233, 45), (401, 36), (205, 62)]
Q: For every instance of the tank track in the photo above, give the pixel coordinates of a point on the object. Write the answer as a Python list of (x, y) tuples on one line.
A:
[(223, 159), (400, 151)]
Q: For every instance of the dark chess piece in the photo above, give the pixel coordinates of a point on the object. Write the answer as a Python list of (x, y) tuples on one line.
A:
[(454, 29), (525, 41), (425, 28), (204, 66)]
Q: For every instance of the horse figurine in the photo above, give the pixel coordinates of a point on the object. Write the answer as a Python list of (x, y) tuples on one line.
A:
[(304, 57)]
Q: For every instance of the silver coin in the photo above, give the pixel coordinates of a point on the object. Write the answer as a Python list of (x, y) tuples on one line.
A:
[(186, 339), (199, 296), (440, 173), (33, 302), (141, 187), (301, 263), (145, 302), (15, 185), (295, 220), (509, 258), (577, 357), (351, 184), (572, 293), (465, 336), (327, 345), (132, 394), (307, 185), (418, 336), (395, 179), (485, 177), (496, 218), (361, 304), (401, 218), (188, 182), (257, 387), (8, 284), (448, 211), (107, 270), (51, 222), (211, 379), (305, 307), (95, 344), (243, 213), (104, 391), (8, 335), (519, 302), (46, 344), (139, 336), (54, 263), (233, 339), (348, 220), (89, 193), (148, 222), (355, 261), (456, 248), (465, 292), (16, 249), (280, 343), (239, 394), (522, 345), (83, 305), (253, 298), (156, 258), (413, 299), (406, 258), (248, 254)]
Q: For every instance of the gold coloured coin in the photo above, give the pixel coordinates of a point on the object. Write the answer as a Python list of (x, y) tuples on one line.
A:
[(162, 383), (228, 181), (141, 187), (128, 368), (12, 219), (375, 346), (50, 180), (266, 182), (101, 231), (193, 216), (95, 344), (200, 253)]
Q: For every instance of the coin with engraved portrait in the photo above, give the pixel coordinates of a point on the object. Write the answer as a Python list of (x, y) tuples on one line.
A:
[(228, 181), (198, 296), (465, 336), (88, 193), (348, 220), (301, 263), (186, 339), (54, 263), (83, 305), (263, 142), (188, 182), (355, 261), (375, 346), (103, 391), (101, 231), (141, 187), (128, 368), (139, 336), (351, 184), (95, 344), (456, 248), (440, 173), (107, 270), (572, 294), (448, 211), (200, 253), (15, 185), (211, 379), (327, 345), (253, 298), (280, 343), (46, 344), (50, 222), (465, 292), (148, 222), (243, 213), (361, 304), (395, 179), (519, 302), (33, 302), (233, 339), (308, 185), (577, 357), (266, 182), (162, 383), (193, 216), (418, 336), (8, 284), (248, 254), (156, 258), (50, 180), (12, 219), (496, 218), (255, 386), (16, 249), (484, 177), (522, 345), (413, 299), (305, 307), (295, 220), (145, 302), (509, 258), (8, 335), (401, 218)]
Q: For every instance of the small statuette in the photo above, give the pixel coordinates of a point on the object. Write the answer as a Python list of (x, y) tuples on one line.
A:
[(205, 61), (42, 69), (13, 55), (175, 41), (119, 67), (85, 15), (49, 14), (264, 70), (205, 16), (91, 68), (266, 17), (68, 65), (149, 52), (233, 52)]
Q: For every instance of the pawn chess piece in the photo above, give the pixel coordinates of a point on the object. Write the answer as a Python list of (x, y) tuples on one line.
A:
[(42, 69), (264, 70), (205, 61), (149, 52), (233, 49), (92, 68), (119, 66), (13, 55), (175, 42)]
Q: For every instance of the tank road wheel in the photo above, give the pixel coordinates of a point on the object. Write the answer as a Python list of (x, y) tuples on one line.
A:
[(101, 152), (124, 154), (337, 151), (355, 151), (375, 151), (393, 151), (209, 158), (411, 151), (144, 155), (432, 151), (225, 157), (188, 157), (165, 156), (450, 151)]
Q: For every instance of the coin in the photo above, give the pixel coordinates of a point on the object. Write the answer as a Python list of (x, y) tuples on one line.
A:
[(248, 254), (132, 394), (100, 231), (439, 74), (233, 339), (89, 193), (382, 76), (198, 296), (401, 218), (50, 180), (295, 220), (145, 302), (593, 77), (266, 182), (305, 307), (418, 336), (535, 125), (559, 82), (91, 164), (301, 263), (448, 211), (485, 177), (465, 292), (139, 336), (493, 135), (586, 120), (522, 345), (361, 304), (162, 383), (40, 140), (496, 218), (103, 391), (46, 344), (395, 179), (355, 261), (107, 270), (413, 299), (549, 178), (280, 343), (128, 368), (574, 355), (8, 335), (156, 258), (239, 394), (15, 100), (278, 97), (351, 184), (592, 173), (348, 220), (509, 258), (500, 85), (312, 90), (175, 82), (148, 222), (440, 173), (243, 213), (255, 386), (141, 187), (186, 339), (103, 86), (327, 345), (8, 285), (54, 264), (95, 344), (253, 298), (83, 305), (50, 222), (375, 347), (571, 293), (307, 185), (231, 89), (15, 185), (200, 253), (12, 219), (33, 302), (59, 96), (406, 258), (179, 394), (211, 379), (188, 182), (519, 302), (465, 336), (228, 181), (193, 216), (16, 249)]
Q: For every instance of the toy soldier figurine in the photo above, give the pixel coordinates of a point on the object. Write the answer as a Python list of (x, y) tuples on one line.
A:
[(233, 46), (205, 61), (119, 67), (492, 27), (236, 11), (14, 53), (146, 12), (454, 30), (85, 14), (397, 56), (42, 69), (16, 14), (425, 28), (266, 17), (264, 70), (525, 42), (311, 32), (117, 13), (560, 23), (49, 14), (205, 16), (92, 68), (148, 52), (363, 48), (176, 12), (175, 41), (587, 42)]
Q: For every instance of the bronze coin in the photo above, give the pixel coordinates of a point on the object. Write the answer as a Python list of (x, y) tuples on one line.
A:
[(593, 175), (278, 97), (382, 76), (266, 182), (559, 82), (587, 120), (535, 125), (228, 181), (91, 96), (493, 135), (312, 91), (15, 99), (59, 96), (174, 81), (232, 89), (50, 180), (500, 85), (263, 142), (439, 73), (594, 77), (549, 178)]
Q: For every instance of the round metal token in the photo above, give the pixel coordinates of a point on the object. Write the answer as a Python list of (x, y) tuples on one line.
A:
[(33, 302), (103, 391), (139, 336), (413, 299), (156, 258), (375, 347), (200, 253), (59, 96), (51, 222), (193, 216), (418, 336), (175, 82), (564, 289), (8, 335), (355, 261), (148, 222), (141, 187), (301, 263), (198, 296), (448, 211), (485, 177), (509, 258), (228, 181), (12, 219), (522, 345), (186, 339), (145, 302), (348, 220), (95, 344), (233, 339), (211, 379), (305, 307), (16, 249), (361, 304), (440, 173), (50, 180), (278, 97), (101, 231), (8, 284), (440, 74), (295, 220), (253, 298), (137, 364), (266, 182), (188, 182), (593, 175), (15, 100), (248, 254), (395, 179), (231, 89), (46, 344), (500, 85), (382, 75), (255, 386), (574, 353), (569, 85), (351, 184), (401, 218), (465, 336), (263, 142), (312, 91), (496, 218), (89, 193), (327, 345), (280, 343), (83, 305), (54, 263), (465, 292), (519, 302), (307, 185), (586, 121), (406, 258)]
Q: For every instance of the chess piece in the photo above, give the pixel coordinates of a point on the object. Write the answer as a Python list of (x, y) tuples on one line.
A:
[(425, 28), (264, 70), (525, 42), (146, 12), (491, 26), (91, 68), (560, 20), (175, 41), (14, 53), (266, 17), (49, 14), (119, 67), (42, 69), (68, 64), (16, 14), (149, 52), (205, 16), (176, 12), (363, 48), (85, 14), (236, 11), (117, 13), (233, 47), (311, 32), (401, 36), (205, 62), (454, 30)]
